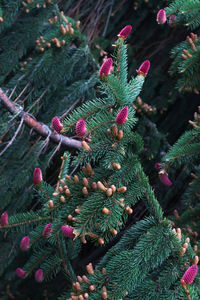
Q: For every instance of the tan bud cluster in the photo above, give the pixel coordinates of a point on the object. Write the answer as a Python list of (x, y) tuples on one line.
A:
[(101, 186), (122, 189), (85, 191), (106, 211), (90, 269), (116, 166), (85, 146)]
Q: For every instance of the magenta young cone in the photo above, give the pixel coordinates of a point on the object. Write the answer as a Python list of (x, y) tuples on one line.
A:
[(56, 124), (80, 128), (144, 68), (25, 243), (106, 68), (39, 275), (4, 219), (190, 274), (125, 32), (20, 273), (161, 16), (68, 231), (122, 116), (47, 230), (164, 178), (37, 176)]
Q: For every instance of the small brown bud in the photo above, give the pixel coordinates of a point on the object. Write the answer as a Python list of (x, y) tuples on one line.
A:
[(83, 240), (89, 169), (108, 131), (113, 187), (185, 245), (129, 210), (62, 199), (103, 271), (106, 211), (122, 189), (91, 287), (65, 187), (100, 241), (80, 297), (86, 146), (116, 166), (195, 248), (120, 134), (176, 215), (50, 204), (78, 210), (67, 193), (101, 186), (104, 295), (85, 182), (76, 179), (69, 217), (178, 230), (196, 260), (62, 29), (94, 186), (62, 181), (79, 278), (109, 192), (183, 250), (63, 42), (86, 295), (85, 279), (90, 269), (113, 231), (71, 31), (78, 24), (60, 189), (68, 177), (114, 130), (55, 194), (84, 191)]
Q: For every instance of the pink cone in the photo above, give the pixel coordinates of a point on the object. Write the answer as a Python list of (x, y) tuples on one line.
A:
[(172, 20), (106, 68), (47, 230), (161, 17), (80, 128), (56, 124), (122, 116), (125, 32), (39, 275), (144, 68), (164, 178), (37, 176), (20, 273), (68, 231), (25, 243), (190, 274), (4, 219)]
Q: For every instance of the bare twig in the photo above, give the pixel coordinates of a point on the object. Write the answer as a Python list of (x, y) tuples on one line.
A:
[(41, 129), (14, 136)]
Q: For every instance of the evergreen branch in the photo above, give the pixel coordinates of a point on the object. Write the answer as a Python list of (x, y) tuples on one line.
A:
[(26, 222), (38, 127)]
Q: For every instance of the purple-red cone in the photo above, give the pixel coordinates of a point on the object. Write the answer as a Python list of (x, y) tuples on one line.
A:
[(144, 68), (122, 116), (20, 273), (106, 68), (125, 32), (68, 231), (164, 178), (80, 128), (56, 124), (190, 274), (25, 243), (161, 16), (4, 219), (39, 275), (37, 176), (47, 230)]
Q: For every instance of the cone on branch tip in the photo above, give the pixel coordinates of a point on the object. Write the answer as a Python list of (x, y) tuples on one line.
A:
[(144, 68), (4, 219), (37, 176), (68, 231), (20, 273), (161, 16), (80, 128), (25, 243), (57, 125), (122, 116), (125, 32), (190, 274), (47, 230), (39, 275), (106, 67), (164, 178)]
